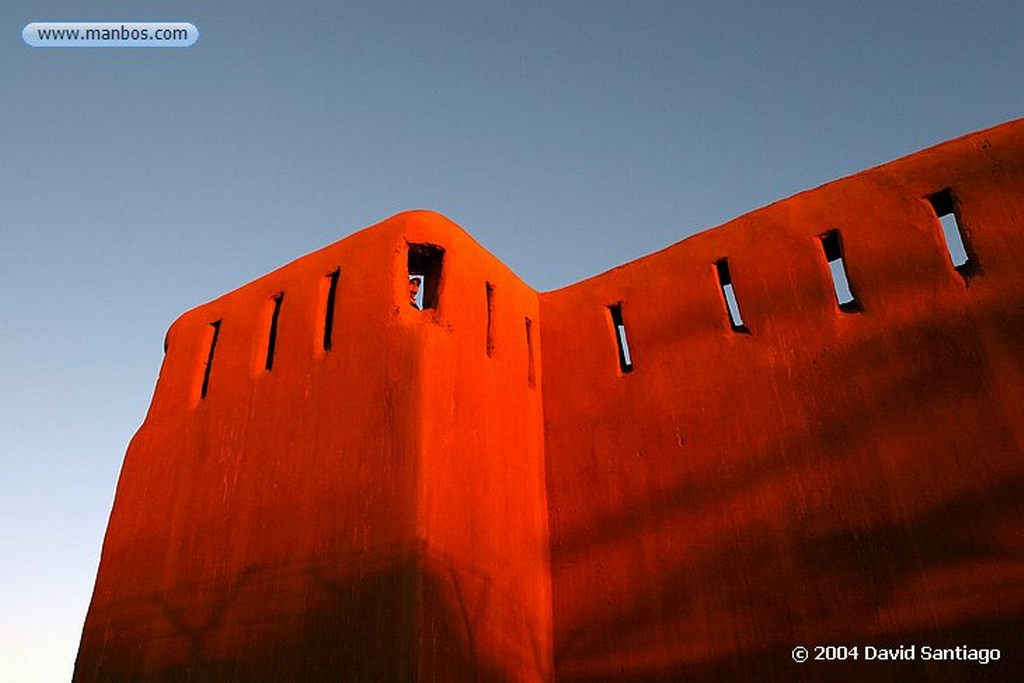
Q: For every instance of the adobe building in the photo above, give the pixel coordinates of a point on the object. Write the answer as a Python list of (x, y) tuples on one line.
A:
[(680, 469)]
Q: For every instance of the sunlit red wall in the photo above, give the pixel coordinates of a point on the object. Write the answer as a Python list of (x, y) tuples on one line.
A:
[(480, 490), (482, 512), (323, 517), (824, 477)]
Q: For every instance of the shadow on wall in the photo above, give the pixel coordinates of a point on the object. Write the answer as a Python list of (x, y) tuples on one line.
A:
[(307, 623), (867, 525)]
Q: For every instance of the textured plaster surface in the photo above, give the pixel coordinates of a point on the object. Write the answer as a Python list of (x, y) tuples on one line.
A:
[(477, 491)]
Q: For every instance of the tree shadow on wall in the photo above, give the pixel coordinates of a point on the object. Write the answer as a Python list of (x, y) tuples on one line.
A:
[(805, 575), (330, 621)]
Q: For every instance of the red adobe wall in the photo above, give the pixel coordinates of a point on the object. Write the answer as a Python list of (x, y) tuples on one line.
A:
[(479, 491), (315, 518), (831, 477), (482, 509)]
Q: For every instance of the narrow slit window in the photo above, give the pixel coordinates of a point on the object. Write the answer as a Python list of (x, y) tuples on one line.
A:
[(332, 294), (424, 267), (729, 294), (625, 359), (272, 334), (531, 377), (205, 387), (832, 243), (490, 320), (945, 210)]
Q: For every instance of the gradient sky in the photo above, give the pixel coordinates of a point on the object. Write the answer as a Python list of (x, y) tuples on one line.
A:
[(566, 137)]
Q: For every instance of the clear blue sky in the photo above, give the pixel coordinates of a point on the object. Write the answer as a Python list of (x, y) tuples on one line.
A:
[(567, 137)]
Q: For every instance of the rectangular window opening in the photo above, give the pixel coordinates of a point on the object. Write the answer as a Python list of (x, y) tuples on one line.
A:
[(729, 294), (625, 359), (832, 243), (490, 320), (332, 293), (531, 377), (204, 389), (425, 261), (272, 335), (944, 206)]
